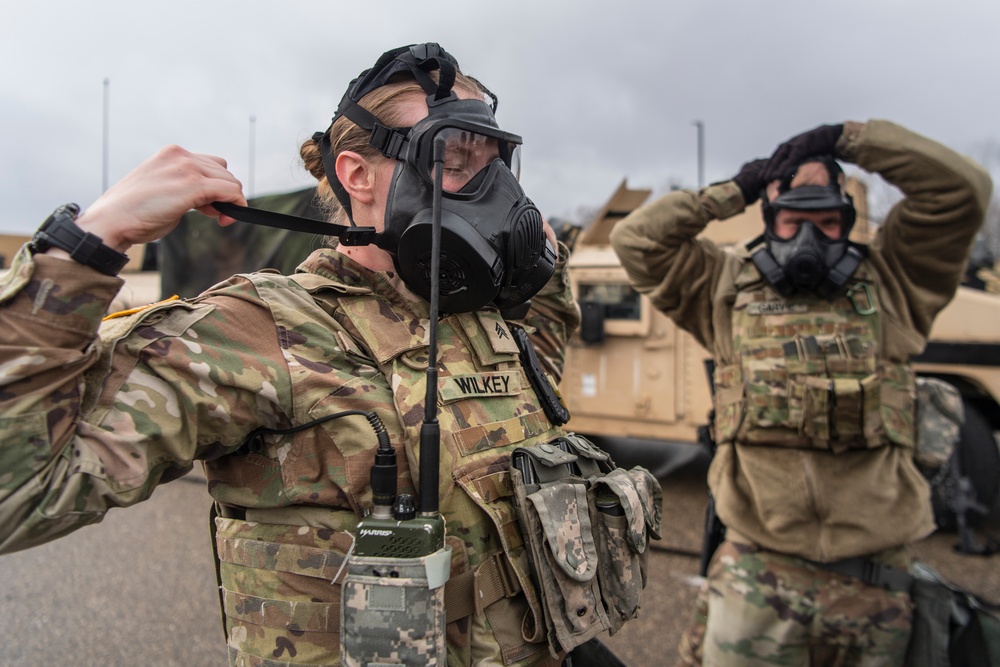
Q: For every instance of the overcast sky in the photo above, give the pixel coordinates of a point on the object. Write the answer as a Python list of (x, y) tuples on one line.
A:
[(600, 90)]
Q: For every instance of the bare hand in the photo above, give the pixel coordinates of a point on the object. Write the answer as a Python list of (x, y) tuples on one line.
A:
[(149, 202)]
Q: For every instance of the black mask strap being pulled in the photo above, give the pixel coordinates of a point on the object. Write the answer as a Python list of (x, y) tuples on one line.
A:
[(417, 59), (349, 236)]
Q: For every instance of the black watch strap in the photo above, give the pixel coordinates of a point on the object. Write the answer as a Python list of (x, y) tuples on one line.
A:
[(61, 231)]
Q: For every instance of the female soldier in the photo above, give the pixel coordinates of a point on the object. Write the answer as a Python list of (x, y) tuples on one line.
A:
[(93, 418)]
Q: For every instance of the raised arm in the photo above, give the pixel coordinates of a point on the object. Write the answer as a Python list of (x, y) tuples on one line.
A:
[(89, 422), (926, 238), (664, 260)]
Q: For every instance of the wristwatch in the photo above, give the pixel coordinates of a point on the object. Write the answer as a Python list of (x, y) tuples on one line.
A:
[(61, 231)]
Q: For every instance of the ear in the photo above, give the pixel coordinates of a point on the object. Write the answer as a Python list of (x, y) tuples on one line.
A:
[(357, 175)]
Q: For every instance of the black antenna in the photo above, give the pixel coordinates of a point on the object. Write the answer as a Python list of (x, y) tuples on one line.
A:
[(430, 430)]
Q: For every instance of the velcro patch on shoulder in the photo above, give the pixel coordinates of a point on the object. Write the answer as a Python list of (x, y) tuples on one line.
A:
[(479, 385), (497, 332), (386, 331), (171, 317), (747, 275)]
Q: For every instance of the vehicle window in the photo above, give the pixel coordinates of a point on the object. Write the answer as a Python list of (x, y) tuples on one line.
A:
[(619, 301)]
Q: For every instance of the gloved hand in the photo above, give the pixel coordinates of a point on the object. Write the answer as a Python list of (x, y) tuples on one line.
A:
[(818, 141), (750, 180)]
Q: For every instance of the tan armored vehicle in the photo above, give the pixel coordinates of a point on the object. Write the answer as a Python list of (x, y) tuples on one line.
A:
[(631, 373)]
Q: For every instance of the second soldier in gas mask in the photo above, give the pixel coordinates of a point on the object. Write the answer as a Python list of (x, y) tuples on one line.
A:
[(811, 334)]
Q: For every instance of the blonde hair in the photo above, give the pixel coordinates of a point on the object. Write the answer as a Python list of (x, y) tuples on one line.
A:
[(384, 103)]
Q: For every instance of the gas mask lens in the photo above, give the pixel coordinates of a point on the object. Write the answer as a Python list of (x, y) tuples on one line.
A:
[(515, 160), (466, 153)]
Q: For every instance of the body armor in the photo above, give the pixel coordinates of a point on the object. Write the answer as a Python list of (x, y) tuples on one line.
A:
[(810, 372)]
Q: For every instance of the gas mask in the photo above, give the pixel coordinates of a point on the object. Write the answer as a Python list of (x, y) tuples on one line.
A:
[(493, 246), (809, 263)]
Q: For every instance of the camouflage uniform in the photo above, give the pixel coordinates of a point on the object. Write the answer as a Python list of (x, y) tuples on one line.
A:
[(92, 424), (797, 475)]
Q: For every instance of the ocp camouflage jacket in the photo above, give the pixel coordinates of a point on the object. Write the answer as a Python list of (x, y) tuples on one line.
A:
[(789, 486), (88, 423)]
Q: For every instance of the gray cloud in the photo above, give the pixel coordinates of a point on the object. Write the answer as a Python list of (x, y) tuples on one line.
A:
[(599, 90)]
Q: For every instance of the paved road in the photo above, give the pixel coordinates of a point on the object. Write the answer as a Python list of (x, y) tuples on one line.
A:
[(139, 589)]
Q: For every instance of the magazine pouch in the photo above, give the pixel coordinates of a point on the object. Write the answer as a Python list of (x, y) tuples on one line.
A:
[(587, 524)]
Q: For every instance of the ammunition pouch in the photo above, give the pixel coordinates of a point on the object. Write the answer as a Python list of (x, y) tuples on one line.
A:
[(587, 524), (791, 407)]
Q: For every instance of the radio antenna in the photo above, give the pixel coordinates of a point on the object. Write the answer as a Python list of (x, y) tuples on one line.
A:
[(430, 430)]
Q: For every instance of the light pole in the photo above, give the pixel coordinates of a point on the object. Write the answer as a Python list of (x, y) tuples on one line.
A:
[(107, 132), (253, 152), (701, 153)]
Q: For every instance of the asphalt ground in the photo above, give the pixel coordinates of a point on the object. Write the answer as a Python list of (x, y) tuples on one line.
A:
[(139, 588)]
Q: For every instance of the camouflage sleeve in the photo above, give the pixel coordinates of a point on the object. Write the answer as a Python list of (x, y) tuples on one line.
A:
[(554, 315), (90, 422), (678, 272), (921, 248)]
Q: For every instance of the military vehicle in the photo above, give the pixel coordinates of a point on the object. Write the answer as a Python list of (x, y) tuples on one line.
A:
[(631, 373)]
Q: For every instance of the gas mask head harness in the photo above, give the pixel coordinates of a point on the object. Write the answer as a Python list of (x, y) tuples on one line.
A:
[(810, 262), (493, 246)]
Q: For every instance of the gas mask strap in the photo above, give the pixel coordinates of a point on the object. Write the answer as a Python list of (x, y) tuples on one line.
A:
[(419, 60), (349, 236)]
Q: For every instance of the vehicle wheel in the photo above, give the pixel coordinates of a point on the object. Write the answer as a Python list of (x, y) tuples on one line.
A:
[(979, 458)]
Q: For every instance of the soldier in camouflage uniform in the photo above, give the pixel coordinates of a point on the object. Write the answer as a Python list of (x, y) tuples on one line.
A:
[(814, 475), (97, 415)]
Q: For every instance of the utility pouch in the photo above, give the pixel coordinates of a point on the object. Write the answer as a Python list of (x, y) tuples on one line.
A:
[(392, 611), (587, 525)]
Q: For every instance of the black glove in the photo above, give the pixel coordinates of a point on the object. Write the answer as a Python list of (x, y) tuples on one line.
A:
[(750, 180), (819, 141)]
